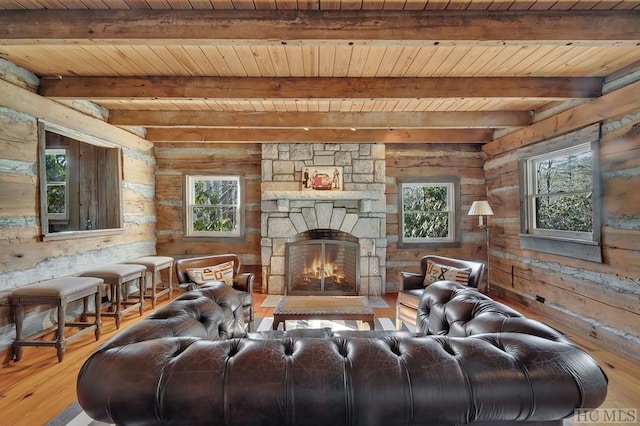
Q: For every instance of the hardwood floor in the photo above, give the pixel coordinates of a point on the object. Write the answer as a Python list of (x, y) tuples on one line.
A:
[(37, 388)]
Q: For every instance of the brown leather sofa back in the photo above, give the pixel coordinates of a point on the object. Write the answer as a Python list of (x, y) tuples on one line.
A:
[(490, 379), (212, 312), (452, 309), (186, 370)]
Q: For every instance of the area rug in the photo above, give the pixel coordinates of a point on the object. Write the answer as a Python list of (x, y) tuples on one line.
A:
[(266, 323), (74, 416), (272, 300)]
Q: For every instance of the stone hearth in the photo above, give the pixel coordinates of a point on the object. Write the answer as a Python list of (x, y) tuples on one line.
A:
[(358, 210)]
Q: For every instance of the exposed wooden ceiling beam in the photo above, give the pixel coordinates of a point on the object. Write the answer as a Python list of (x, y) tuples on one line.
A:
[(103, 88), (320, 135), (611, 105), (344, 120), (297, 26)]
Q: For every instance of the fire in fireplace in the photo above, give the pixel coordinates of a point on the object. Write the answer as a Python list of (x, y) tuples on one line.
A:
[(323, 261)]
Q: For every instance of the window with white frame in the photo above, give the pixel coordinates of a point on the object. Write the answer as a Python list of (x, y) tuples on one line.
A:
[(429, 211), (560, 196), (213, 206)]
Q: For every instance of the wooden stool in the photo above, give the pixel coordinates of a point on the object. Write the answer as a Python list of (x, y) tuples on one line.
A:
[(154, 265), (57, 292), (120, 277)]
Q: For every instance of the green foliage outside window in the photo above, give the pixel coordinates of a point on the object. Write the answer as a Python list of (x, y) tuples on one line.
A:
[(213, 219), (215, 207), (564, 196), (56, 170), (425, 211)]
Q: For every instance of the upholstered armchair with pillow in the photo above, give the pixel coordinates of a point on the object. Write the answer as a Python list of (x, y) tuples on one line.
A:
[(433, 268), (199, 271)]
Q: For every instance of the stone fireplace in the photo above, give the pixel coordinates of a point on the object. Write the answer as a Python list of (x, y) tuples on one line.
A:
[(355, 215)]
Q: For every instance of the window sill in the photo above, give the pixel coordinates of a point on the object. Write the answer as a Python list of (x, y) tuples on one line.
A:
[(435, 244), (583, 250), (73, 235), (214, 238)]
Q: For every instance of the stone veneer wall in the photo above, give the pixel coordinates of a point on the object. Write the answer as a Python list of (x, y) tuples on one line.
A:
[(359, 209)]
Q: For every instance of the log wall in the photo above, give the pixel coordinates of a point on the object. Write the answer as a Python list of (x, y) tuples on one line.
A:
[(174, 161), (432, 161), (597, 299), (24, 257), (403, 161)]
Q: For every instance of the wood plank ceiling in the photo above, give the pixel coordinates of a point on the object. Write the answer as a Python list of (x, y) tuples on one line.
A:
[(415, 71)]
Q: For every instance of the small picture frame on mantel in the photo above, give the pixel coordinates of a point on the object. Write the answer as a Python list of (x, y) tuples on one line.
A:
[(322, 178)]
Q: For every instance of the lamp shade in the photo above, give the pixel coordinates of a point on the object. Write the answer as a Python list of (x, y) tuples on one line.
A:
[(480, 208)]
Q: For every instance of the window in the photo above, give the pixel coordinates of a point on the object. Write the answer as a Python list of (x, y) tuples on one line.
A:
[(213, 206), (560, 197), (429, 212), (79, 184), (57, 190)]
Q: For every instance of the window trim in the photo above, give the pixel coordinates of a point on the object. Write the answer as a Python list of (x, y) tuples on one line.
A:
[(188, 198), (455, 215), (45, 126), (559, 244)]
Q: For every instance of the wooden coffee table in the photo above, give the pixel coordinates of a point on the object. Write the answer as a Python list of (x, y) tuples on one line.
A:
[(323, 307)]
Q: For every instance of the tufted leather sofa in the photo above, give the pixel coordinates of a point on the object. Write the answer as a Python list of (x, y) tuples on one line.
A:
[(475, 361)]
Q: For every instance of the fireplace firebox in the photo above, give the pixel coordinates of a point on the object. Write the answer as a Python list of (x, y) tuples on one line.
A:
[(323, 262)]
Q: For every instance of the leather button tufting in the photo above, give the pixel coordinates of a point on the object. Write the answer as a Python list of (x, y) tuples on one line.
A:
[(342, 347), (447, 347), (288, 346), (394, 346), (234, 348)]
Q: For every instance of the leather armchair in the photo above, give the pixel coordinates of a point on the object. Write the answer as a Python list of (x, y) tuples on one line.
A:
[(242, 282), (412, 287)]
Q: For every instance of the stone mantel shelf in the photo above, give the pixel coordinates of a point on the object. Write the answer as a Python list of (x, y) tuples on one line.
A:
[(322, 195)]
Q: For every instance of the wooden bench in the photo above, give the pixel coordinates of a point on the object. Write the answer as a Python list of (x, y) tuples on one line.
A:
[(120, 277), (154, 265), (59, 293)]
